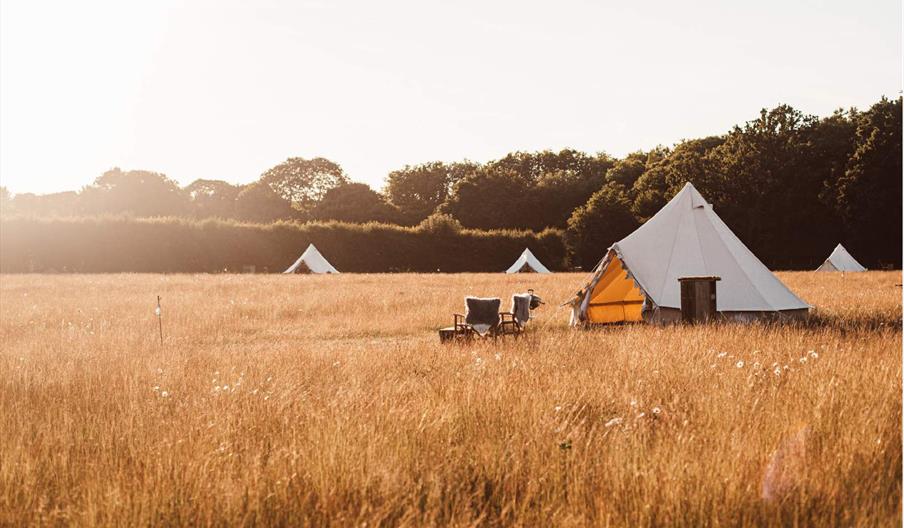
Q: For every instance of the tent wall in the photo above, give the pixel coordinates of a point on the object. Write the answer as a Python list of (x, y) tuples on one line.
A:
[(615, 298), (671, 315), (827, 266)]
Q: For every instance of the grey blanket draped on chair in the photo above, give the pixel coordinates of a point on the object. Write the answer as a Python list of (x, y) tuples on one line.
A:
[(482, 313), (521, 307)]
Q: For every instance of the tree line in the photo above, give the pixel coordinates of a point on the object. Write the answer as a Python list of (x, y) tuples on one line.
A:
[(790, 185), (161, 245)]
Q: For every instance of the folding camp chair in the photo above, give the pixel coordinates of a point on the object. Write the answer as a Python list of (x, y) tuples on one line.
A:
[(481, 319), (514, 321)]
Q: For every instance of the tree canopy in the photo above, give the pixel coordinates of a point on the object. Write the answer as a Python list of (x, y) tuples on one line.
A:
[(355, 203), (304, 182), (418, 190), (137, 193), (790, 185), (259, 203)]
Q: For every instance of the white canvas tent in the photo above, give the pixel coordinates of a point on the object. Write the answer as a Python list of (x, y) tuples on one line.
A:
[(637, 279), (840, 260), (527, 263), (311, 261)]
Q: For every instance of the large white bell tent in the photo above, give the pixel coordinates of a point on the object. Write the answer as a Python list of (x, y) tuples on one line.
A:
[(637, 278), (311, 261), (527, 263), (840, 260)]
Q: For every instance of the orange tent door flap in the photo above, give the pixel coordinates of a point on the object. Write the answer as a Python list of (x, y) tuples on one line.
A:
[(615, 298)]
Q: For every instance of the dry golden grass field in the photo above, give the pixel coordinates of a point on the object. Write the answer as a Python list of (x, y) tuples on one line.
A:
[(311, 400)]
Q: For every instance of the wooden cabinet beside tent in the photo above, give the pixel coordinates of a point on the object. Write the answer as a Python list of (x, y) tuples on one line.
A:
[(698, 299)]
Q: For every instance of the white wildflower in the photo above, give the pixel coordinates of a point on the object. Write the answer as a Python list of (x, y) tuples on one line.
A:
[(498, 356), (803, 359), (657, 410), (721, 354), (813, 354), (558, 408), (164, 394), (778, 371), (156, 388), (633, 403), (756, 365), (739, 364)]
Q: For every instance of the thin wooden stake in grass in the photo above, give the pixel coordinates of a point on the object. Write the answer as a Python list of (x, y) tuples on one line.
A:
[(159, 320)]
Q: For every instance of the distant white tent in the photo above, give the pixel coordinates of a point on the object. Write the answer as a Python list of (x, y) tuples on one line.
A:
[(311, 261), (527, 263), (840, 260), (637, 278)]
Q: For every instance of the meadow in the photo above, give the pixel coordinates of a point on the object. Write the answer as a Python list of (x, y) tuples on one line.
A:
[(328, 400)]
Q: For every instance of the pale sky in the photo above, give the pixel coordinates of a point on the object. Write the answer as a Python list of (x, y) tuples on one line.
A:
[(226, 89)]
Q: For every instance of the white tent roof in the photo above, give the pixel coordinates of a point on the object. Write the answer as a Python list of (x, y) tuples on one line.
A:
[(527, 259), (840, 260), (686, 238), (314, 262)]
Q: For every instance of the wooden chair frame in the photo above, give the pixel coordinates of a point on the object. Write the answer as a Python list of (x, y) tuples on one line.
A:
[(462, 331)]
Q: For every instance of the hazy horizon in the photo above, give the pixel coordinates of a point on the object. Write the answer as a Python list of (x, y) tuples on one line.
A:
[(224, 91)]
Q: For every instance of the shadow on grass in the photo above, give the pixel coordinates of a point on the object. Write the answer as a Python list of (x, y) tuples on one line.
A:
[(848, 323), (816, 320)]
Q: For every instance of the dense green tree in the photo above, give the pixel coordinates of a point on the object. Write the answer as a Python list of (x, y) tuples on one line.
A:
[(257, 202), (789, 185), (212, 198), (868, 195), (355, 203), (527, 190), (605, 219), (490, 199), (138, 193), (556, 195), (626, 171), (54, 204), (668, 171), (531, 167), (439, 224), (419, 189), (304, 182), (770, 173)]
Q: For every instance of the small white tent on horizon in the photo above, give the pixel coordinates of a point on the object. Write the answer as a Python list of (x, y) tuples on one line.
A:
[(311, 261), (637, 278), (527, 263), (841, 260)]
